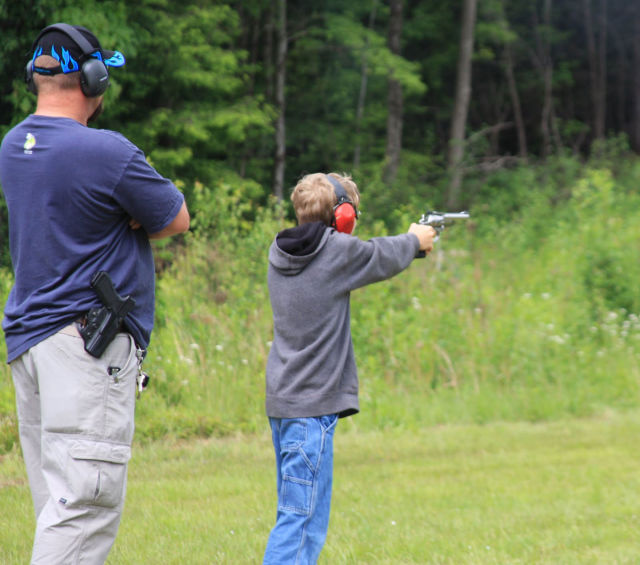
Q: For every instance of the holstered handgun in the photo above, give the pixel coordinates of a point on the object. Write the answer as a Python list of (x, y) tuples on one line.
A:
[(105, 322)]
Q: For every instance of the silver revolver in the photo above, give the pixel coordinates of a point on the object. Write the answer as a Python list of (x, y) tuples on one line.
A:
[(438, 221)]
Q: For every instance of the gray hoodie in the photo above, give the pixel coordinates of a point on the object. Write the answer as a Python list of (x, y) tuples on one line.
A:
[(311, 369)]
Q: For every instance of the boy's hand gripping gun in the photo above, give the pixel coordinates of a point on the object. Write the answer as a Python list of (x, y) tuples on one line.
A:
[(438, 221)]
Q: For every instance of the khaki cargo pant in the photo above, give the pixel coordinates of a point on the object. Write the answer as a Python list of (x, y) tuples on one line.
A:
[(76, 421)]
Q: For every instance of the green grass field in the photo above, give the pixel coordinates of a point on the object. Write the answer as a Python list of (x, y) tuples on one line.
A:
[(564, 492)]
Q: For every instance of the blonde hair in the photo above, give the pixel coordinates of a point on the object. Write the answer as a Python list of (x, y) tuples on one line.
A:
[(314, 197), (49, 83)]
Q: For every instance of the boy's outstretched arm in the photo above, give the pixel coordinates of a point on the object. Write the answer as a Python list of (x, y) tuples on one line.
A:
[(380, 258)]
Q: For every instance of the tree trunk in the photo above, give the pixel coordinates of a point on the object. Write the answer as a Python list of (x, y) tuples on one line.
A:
[(461, 104), (601, 109), (515, 102), (278, 176), (621, 71), (268, 53), (394, 99), (596, 50), (544, 62), (635, 132), (363, 88), (593, 64), (547, 77)]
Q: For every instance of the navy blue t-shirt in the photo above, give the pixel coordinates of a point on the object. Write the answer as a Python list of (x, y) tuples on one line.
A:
[(71, 192)]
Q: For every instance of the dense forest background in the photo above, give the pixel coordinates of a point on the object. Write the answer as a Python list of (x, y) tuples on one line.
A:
[(417, 99)]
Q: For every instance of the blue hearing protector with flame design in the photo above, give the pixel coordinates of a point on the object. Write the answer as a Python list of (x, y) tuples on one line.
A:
[(94, 76)]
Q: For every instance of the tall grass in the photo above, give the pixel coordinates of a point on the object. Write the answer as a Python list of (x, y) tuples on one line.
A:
[(528, 312)]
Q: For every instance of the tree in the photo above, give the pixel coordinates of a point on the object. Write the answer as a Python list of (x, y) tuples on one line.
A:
[(281, 70), (394, 99), (515, 101), (461, 104), (596, 49), (363, 87), (543, 61), (635, 131), (185, 94)]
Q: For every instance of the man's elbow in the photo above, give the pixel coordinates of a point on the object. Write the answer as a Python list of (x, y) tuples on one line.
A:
[(182, 220), (180, 224)]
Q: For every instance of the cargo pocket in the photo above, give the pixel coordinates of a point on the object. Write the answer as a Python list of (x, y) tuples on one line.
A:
[(296, 495), (297, 468), (96, 473)]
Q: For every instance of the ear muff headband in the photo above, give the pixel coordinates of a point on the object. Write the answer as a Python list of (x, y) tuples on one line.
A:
[(345, 213), (94, 76), (70, 31)]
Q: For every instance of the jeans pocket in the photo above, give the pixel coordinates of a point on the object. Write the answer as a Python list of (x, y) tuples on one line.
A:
[(296, 467), (296, 495), (96, 473), (328, 422), (293, 433)]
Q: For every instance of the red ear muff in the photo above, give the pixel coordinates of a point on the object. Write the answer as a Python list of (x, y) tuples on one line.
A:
[(344, 217), (345, 213)]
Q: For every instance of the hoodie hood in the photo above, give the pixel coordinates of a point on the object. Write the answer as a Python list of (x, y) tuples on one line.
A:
[(294, 248)]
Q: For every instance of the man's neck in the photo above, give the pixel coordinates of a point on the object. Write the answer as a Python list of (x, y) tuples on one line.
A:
[(67, 106)]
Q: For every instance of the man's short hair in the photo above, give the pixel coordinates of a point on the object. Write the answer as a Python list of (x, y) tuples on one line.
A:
[(314, 197), (60, 81)]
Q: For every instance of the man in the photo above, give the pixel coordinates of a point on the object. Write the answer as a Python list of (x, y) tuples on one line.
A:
[(80, 201)]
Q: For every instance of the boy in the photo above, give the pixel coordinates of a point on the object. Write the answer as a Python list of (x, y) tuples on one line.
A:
[(311, 370)]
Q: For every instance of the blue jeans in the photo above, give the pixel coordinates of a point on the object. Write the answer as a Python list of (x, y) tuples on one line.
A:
[(304, 464)]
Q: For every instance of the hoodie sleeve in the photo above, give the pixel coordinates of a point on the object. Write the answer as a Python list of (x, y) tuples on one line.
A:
[(377, 259)]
